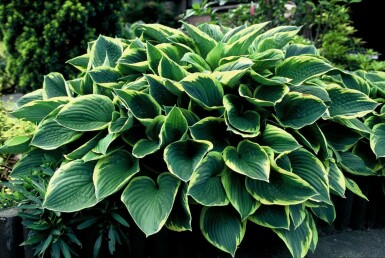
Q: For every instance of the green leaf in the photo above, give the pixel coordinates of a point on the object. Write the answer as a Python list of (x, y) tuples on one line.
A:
[(36, 110), (352, 186), (205, 185), (203, 41), (326, 213), (71, 188), (204, 89), (133, 60), (150, 203), (263, 96), (377, 140), (314, 90), (283, 188), (86, 113), (297, 110), (85, 148), (54, 85), (174, 127), (302, 68), (215, 55), (159, 91), (104, 143), (271, 216), (336, 179), (29, 97), (267, 59), (211, 129), (80, 62), (33, 160), (16, 145), (276, 41), (247, 121), (160, 33), (190, 117), (249, 159), (297, 214), (120, 122), (197, 62), (348, 103), (105, 48), (171, 70), (311, 169), (297, 240), (278, 139), (221, 226), (352, 81), (300, 49), (184, 157), (273, 81), (50, 135), (339, 137), (239, 197), (105, 76), (354, 164), (113, 172), (213, 30), (142, 105), (180, 216)]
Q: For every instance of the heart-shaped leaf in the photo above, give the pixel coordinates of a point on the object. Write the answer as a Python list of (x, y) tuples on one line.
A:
[(71, 188), (211, 129), (205, 185), (96, 113), (183, 157), (150, 203), (248, 159), (271, 216), (278, 139), (113, 172), (54, 85), (222, 227)]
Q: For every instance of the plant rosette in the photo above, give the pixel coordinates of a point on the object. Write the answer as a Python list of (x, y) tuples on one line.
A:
[(242, 122)]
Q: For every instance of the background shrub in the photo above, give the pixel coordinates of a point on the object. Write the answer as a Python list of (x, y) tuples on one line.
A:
[(39, 36)]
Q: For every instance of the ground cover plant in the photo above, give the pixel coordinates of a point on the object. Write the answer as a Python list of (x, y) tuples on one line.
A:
[(242, 123)]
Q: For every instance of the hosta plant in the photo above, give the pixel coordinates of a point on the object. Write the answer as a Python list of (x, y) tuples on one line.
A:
[(240, 122)]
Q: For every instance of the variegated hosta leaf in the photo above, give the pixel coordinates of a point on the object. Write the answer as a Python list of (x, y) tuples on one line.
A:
[(54, 85), (85, 148), (150, 203), (352, 81), (326, 213), (311, 169), (297, 110), (50, 135), (33, 160), (160, 33), (71, 188), (35, 111), (174, 127), (203, 41), (283, 188), (204, 89), (120, 122), (16, 145), (29, 97), (297, 214), (298, 240), (96, 113), (302, 68), (341, 138), (352, 186), (354, 164), (236, 192), (300, 49), (314, 90), (266, 59), (113, 172), (142, 105), (271, 216), (213, 30), (180, 216), (133, 60), (183, 157), (348, 103), (263, 96), (105, 76), (222, 227), (105, 48), (211, 129), (246, 121), (171, 70), (248, 159), (270, 81), (197, 62), (278, 139), (80, 62), (205, 185), (336, 179), (377, 140)]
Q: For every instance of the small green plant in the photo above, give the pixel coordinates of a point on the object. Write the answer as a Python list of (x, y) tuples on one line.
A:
[(244, 124)]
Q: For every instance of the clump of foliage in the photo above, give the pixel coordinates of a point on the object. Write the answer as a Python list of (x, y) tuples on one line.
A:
[(10, 128), (327, 24), (39, 36), (244, 124)]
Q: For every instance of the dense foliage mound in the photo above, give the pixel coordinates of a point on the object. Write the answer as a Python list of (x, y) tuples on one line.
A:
[(240, 122)]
